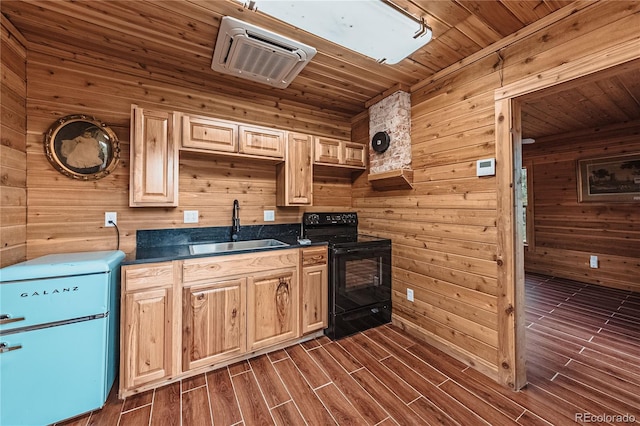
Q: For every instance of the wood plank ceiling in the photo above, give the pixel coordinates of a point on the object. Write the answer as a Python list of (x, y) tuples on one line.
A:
[(175, 39)]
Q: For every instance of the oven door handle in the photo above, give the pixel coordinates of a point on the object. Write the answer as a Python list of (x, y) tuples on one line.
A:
[(361, 250)]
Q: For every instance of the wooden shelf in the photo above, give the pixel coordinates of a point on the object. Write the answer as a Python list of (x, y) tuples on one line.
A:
[(393, 179)]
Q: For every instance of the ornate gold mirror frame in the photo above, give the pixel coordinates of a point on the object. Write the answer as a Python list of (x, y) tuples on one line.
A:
[(81, 147)]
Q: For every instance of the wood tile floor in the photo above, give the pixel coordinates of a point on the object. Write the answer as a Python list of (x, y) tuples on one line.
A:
[(583, 357)]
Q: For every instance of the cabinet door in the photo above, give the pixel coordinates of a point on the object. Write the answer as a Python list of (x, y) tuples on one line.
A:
[(154, 158), (261, 141), (315, 293), (147, 343), (272, 308), (295, 176), (354, 154), (209, 134), (328, 151), (214, 322)]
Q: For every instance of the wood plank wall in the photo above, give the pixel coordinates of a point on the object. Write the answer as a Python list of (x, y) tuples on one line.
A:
[(566, 232), (444, 229), (65, 215), (13, 157)]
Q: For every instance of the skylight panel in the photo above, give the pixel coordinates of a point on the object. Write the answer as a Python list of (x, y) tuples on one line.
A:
[(375, 28)]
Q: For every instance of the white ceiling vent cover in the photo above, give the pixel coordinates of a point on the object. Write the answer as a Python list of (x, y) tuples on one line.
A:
[(250, 52)]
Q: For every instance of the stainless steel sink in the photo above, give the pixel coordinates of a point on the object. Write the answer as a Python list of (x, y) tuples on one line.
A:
[(235, 246)]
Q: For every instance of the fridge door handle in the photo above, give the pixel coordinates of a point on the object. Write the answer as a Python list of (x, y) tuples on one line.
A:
[(6, 319), (6, 348)]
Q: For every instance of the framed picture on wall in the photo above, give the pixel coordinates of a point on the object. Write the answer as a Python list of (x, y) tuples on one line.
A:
[(609, 179)]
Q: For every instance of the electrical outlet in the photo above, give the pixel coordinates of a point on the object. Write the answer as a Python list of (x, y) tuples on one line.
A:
[(410, 295), (110, 217), (269, 216), (593, 262), (191, 216)]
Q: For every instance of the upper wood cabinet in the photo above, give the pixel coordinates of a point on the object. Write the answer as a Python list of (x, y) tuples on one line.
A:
[(201, 133), (328, 151), (154, 158), (354, 154), (209, 134), (261, 141), (339, 153), (294, 177)]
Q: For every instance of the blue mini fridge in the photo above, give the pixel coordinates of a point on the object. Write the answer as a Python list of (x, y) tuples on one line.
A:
[(59, 318)]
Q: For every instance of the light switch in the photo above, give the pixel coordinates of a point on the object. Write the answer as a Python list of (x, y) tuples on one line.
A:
[(269, 216), (191, 216)]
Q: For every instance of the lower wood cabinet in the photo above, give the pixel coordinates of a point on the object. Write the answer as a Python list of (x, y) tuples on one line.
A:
[(273, 317), (148, 340), (314, 300), (213, 322), (185, 317)]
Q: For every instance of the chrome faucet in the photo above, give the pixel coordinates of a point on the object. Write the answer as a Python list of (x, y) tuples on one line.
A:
[(235, 220)]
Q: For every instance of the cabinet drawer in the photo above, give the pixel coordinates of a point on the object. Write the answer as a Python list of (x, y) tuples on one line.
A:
[(314, 256), (195, 270), (136, 277)]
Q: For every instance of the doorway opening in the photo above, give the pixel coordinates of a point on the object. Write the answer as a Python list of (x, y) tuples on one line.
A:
[(510, 101)]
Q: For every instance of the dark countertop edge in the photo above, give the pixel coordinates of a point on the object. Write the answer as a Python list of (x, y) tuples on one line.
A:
[(182, 253)]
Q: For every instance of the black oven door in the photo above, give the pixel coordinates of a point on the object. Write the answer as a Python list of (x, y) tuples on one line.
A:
[(360, 277), (359, 288)]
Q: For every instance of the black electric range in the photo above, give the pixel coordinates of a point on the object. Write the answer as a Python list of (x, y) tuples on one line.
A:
[(359, 272)]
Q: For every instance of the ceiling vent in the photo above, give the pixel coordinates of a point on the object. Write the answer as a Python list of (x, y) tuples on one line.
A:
[(250, 52)]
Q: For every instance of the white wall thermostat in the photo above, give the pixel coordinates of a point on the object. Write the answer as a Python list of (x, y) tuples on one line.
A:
[(486, 167)]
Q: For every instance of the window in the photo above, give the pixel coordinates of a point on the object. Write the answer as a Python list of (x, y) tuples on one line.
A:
[(525, 202), (527, 205)]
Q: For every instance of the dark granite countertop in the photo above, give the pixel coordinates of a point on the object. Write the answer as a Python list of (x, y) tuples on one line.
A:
[(162, 245)]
